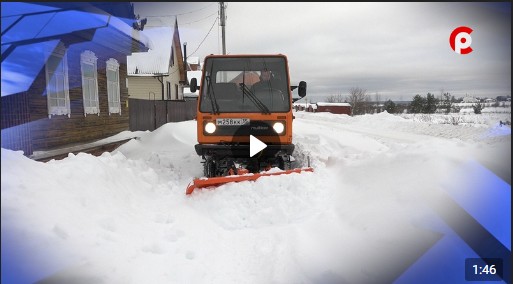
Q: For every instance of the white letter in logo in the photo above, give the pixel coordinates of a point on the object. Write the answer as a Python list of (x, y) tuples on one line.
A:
[(462, 41)]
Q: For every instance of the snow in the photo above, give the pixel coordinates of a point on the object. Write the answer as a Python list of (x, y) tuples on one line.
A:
[(123, 217), (332, 104), (156, 59)]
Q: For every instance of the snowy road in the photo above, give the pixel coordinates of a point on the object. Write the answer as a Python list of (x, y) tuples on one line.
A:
[(366, 214)]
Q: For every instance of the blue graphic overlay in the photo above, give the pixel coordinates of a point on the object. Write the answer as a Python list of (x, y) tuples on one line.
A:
[(475, 222)]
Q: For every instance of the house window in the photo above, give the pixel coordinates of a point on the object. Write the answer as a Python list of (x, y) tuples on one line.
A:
[(176, 91), (168, 90), (113, 86), (57, 87), (172, 59), (89, 82)]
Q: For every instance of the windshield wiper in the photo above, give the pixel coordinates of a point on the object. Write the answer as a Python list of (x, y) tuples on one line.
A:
[(254, 99), (212, 96)]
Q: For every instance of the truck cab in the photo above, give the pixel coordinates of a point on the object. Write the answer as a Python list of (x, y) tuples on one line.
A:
[(239, 96)]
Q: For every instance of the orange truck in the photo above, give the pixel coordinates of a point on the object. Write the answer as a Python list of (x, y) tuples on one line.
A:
[(244, 99)]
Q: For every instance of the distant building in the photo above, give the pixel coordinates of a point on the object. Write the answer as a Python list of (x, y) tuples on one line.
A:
[(193, 64), (336, 108), (470, 100), (302, 106), (503, 98)]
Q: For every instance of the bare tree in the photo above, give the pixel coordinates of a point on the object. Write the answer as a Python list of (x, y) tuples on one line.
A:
[(335, 99), (357, 98), (377, 97), (368, 105), (446, 101)]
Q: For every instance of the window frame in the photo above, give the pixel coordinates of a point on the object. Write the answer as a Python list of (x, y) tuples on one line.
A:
[(57, 110), (89, 58), (114, 105), (168, 90)]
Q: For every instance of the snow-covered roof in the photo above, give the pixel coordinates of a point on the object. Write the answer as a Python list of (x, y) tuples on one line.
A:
[(157, 59), (333, 104), (305, 105), (469, 100), (193, 60)]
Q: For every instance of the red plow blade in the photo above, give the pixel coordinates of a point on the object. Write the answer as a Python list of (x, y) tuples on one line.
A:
[(217, 181)]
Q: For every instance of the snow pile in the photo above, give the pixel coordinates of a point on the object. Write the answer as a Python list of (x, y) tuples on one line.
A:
[(124, 217)]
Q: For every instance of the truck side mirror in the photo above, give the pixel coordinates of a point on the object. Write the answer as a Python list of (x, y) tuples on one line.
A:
[(194, 85), (301, 91)]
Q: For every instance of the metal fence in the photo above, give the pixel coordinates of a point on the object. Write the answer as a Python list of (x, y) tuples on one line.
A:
[(150, 115)]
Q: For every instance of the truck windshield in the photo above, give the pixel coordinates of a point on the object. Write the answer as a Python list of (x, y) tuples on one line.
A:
[(245, 84)]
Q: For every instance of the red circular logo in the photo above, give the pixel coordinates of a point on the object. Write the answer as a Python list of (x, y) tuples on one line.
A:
[(460, 40)]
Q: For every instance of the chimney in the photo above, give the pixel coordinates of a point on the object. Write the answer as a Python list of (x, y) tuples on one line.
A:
[(185, 56)]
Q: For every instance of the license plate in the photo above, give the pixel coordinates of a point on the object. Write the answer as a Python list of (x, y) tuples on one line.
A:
[(232, 121)]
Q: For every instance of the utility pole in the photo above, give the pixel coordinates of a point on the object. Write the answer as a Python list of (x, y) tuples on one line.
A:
[(222, 23)]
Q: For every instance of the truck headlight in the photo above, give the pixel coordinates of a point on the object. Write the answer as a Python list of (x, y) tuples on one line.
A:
[(279, 127), (210, 127)]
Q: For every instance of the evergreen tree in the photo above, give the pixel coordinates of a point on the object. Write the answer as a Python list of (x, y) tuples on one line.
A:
[(478, 108), (417, 104), (390, 106), (447, 102), (431, 104)]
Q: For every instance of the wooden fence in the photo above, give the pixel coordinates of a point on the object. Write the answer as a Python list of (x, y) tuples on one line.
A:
[(150, 115)]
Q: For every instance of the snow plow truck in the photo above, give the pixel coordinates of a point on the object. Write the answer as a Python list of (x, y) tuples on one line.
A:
[(244, 119)]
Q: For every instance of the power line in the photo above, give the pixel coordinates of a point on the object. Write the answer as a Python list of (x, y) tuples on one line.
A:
[(174, 15), (204, 18), (198, 46), (200, 19), (192, 22), (204, 38)]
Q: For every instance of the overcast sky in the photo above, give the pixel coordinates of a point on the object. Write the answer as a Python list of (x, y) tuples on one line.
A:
[(395, 50)]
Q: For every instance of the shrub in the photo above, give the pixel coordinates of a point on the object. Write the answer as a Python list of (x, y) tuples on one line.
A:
[(478, 108)]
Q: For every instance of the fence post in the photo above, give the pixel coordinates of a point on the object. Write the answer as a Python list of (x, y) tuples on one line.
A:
[(154, 110)]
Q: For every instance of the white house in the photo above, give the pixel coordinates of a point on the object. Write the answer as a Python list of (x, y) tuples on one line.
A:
[(469, 100), (158, 74)]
